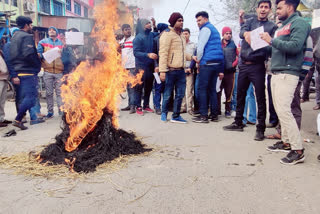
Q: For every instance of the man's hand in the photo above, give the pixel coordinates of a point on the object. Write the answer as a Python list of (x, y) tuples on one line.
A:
[(188, 71), (195, 59), (16, 81), (152, 56), (156, 69), (247, 37), (221, 75), (266, 37), (163, 76), (241, 13), (153, 22)]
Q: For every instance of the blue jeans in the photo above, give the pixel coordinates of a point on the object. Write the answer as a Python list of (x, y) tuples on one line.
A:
[(234, 95), (207, 88), (174, 80), (158, 89), (29, 94), (251, 103), (130, 89)]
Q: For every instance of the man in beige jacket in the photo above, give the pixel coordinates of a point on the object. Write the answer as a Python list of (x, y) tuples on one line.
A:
[(4, 76), (172, 60)]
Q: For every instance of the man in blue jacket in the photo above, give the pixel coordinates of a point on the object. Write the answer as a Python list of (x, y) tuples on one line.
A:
[(143, 52), (211, 65)]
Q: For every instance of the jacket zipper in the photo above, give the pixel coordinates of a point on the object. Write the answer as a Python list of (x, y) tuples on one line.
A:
[(182, 52)]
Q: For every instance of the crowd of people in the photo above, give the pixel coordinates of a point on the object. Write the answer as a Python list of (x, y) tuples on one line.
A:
[(194, 76), (187, 77)]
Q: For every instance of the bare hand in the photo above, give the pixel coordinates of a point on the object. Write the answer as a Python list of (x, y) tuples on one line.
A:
[(152, 56), (195, 59), (266, 37), (156, 69), (162, 76), (221, 75), (247, 37), (241, 13), (187, 71), (16, 81)]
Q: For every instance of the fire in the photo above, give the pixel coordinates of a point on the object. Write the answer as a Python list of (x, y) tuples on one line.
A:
[(92, 88)]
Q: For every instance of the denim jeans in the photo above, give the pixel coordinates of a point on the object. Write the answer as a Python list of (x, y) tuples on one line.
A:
[(207, 88), (174, 80), (130, 89), (158, 89), (234, 95), (251, 103), (29, 94)]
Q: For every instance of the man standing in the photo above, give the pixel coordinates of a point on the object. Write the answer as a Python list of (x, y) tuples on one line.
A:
[(53, 72), (286, 65), (230, 63), (172, 60), (210, 59), (26, 63), (252, 69), (128, 61), (187, 102), (144, 56), (4, 77)]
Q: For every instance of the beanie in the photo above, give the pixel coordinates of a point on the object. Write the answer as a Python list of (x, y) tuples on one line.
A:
[(13, 30), (22, 21), (51, 27), (225, 30), (174, 18)]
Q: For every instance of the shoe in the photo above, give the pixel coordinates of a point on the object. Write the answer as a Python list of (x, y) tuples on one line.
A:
[(319, 158), (214, 118), (183, 111), (37, 121), (201, 119), (24, 120), (233, 127), (293, 158), (259, 136), (164, 117), (49, 115), (250, 123), (196, 113), (158, 111), (271, 125), (279, 147), (227, 114), (147, 109), (317, 107), (304, 100), (19, 125), (3, 124), (233, 114), (178, 120), (132, 110), (7, 122), (219, 113), (139, 111), (126, 108), (191, 112)]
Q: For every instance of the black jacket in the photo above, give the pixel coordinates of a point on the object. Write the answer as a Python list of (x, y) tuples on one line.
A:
[(23, 53), (260, 55)]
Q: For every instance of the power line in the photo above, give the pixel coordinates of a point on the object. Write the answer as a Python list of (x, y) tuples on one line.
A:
[(186, 7)]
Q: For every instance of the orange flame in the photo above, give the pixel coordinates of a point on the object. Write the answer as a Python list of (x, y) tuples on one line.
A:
[(92, 88)]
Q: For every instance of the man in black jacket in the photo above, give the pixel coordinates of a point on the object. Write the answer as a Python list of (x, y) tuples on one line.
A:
[(25, 61), (252, 69)]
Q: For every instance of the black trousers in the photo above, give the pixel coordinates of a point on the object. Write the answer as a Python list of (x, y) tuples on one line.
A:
[(255, 73)]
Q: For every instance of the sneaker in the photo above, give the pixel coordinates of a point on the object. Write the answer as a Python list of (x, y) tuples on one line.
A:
[(126, 108), (250, 123), (37, 121), (227, 114), (279, 147), (164, 117), (201, 119), (293, 158), (233, 127), (19, 125), (178, 120), (139, 111), (49, 115), (132, 110), (147, 109), (214, 118), (259, 136), (158, 111), (7, 122), (3, 124), (233, 114)]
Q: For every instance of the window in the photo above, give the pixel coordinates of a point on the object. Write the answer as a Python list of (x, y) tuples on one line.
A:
[(77, 8), (57, 8), (45, 6), (85, 11), (13, 2), (68, 5)]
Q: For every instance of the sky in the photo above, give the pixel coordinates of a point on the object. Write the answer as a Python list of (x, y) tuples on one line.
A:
[(164, 8)]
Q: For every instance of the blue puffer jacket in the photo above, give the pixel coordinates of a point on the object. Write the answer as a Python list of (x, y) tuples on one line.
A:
[(142, 45), (213, 51)]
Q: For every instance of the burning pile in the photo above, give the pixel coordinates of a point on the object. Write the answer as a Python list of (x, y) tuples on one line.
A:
[(91, 96)]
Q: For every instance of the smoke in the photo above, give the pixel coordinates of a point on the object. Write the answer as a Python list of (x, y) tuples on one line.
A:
[(145, 4)]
